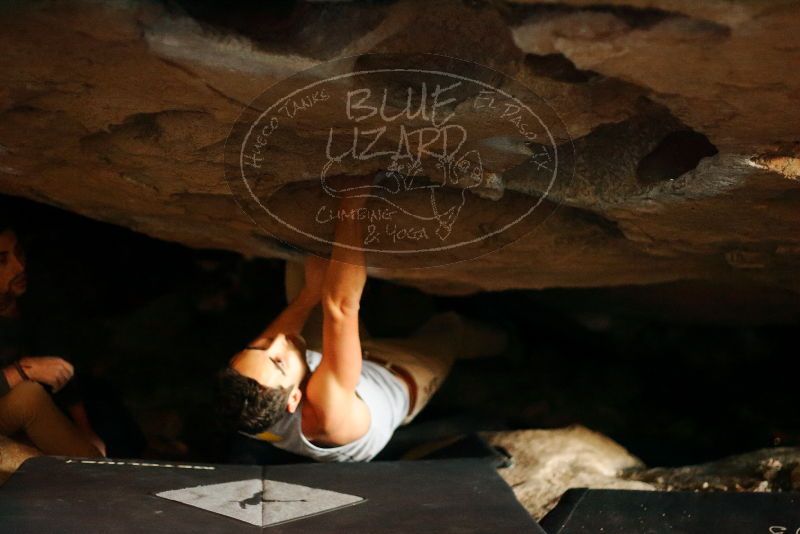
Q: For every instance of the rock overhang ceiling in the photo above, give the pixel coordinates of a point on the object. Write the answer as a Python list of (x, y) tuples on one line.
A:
[(683, 118)]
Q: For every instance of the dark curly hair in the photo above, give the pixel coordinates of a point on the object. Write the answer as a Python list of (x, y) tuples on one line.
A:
[(244, 404)]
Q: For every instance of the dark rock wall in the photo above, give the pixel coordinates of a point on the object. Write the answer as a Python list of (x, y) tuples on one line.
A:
[(683, 114)]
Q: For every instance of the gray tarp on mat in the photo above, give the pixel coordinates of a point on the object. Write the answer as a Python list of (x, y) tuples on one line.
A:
[(261, 502)]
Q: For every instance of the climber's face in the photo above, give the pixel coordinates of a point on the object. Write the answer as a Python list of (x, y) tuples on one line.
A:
[(277, 362)]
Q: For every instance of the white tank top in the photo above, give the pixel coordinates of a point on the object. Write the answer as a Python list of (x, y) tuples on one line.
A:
[(385, 396)]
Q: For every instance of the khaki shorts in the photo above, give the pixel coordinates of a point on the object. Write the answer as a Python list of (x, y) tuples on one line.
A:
[(427, 370)]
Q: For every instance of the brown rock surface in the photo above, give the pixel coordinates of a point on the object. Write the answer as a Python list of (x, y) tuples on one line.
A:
[(12, 455), (764, 470), (546, 463), (683, 115), (549, 462)]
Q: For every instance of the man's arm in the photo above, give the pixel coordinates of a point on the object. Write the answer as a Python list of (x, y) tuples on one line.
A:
[(293, 318), (340, 415), (50, 370)]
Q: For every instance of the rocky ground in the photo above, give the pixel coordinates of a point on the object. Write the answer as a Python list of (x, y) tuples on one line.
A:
[(546, 463), (12, 454)]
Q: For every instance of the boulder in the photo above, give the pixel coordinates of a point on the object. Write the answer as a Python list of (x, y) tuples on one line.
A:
[(682, 115), (12, 455), (765, 470), (546, 463)]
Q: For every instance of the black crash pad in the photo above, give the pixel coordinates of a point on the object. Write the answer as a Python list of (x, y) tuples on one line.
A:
[(61, 495), (651, 512)]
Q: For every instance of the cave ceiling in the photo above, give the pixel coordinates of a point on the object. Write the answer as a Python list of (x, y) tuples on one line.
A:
[(683, 118)]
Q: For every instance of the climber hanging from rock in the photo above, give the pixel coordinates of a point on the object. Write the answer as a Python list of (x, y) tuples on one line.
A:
[(340, 395)]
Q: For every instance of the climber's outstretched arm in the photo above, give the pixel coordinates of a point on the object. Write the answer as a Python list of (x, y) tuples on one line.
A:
[(331, 389)]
